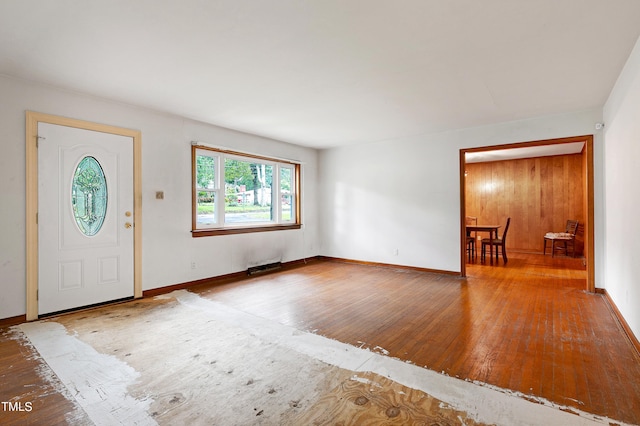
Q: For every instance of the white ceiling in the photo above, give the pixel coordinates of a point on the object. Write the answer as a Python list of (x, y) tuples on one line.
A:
[(324, 73), (524, 152)]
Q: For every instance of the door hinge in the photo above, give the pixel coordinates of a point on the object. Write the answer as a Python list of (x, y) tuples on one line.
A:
[(38, 140), (38, 294), (36, 218)]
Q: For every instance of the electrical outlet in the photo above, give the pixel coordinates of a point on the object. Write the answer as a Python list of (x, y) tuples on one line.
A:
[(193, 265)]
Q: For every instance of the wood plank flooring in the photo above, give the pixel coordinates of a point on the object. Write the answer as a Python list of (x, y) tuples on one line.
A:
[(32, 390), (529, 326)]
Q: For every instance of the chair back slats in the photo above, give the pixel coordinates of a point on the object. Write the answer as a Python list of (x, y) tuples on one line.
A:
[(470, 220), (572, 227), (471, 240), (506, 228)]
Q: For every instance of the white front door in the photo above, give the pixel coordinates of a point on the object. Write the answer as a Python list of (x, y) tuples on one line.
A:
[(85, 217)]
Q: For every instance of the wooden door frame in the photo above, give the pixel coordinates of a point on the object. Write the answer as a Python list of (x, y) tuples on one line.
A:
[(31, 142), (587, 155)]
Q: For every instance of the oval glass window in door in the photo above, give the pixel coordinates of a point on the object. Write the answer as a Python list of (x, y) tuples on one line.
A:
[(89, 196)]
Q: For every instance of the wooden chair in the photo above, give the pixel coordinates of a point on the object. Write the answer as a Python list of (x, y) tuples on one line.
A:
[(568, 238), (471, 239), (499, 243)]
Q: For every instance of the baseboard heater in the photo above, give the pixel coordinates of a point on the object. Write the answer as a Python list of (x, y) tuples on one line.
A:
[(264, 268)]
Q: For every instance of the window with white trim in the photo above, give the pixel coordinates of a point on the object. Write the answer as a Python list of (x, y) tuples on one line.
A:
[(237, 193)]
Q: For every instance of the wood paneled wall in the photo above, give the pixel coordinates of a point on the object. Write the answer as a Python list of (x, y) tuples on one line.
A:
[(539, 194)]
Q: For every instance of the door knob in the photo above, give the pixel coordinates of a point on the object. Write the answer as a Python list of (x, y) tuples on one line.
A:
[(127, 225), (127, 214)]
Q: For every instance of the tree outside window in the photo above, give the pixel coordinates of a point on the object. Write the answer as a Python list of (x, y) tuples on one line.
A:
[(234, 191)]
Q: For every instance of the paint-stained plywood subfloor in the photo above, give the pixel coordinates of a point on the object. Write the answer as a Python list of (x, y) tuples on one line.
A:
[(371, 399), (194, 368)]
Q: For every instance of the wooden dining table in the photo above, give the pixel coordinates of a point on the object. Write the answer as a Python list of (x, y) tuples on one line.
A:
[(493, 234)]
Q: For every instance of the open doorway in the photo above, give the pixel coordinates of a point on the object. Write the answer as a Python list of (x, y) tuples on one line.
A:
[(582, 147)]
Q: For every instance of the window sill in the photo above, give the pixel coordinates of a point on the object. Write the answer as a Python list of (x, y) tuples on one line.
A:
[(196, 233)]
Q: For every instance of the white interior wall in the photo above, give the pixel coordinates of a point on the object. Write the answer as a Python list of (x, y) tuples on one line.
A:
[(167, 245), (621, 156), (398, 201)]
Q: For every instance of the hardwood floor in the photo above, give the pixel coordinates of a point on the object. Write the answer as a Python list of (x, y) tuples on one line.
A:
[(33, 392), (528, 326)]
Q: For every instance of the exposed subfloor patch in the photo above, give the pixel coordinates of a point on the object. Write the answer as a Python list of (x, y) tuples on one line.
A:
[(186, 359)]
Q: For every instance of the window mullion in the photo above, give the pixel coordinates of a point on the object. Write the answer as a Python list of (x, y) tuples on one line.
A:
[(220, 191), (275, 196)]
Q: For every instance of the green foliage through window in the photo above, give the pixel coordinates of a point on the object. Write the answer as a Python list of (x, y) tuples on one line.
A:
[(232, 190)]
